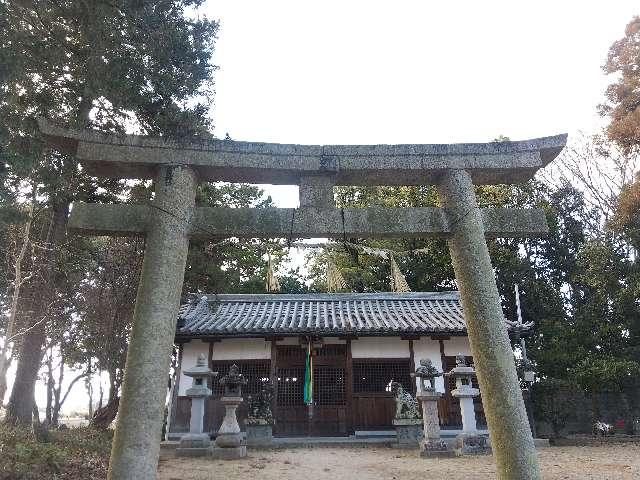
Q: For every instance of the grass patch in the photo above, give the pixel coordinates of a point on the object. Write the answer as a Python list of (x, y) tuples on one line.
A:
[(77, 453)]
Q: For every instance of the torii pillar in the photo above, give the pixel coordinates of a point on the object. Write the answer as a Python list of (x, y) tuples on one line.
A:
[(136, 443), (172, 217), (492, 355)]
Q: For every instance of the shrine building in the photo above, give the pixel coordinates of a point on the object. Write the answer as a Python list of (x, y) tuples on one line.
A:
[(362, 342)]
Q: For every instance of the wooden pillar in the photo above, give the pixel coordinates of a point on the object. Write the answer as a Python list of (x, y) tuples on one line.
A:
[(349, 387), (210, 361), (273, 376), (412, 361), (511, 438), (442, 355), (136, 443)]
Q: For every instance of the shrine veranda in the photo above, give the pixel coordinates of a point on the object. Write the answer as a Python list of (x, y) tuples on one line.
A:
[(365, 341), (171, 218)]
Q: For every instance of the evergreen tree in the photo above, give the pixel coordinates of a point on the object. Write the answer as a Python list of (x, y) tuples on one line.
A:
[(99, 64)]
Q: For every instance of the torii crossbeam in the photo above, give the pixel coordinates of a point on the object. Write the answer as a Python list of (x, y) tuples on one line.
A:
[(172, 217)]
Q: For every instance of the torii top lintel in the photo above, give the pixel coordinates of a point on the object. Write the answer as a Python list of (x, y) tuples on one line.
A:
[(134, 156)]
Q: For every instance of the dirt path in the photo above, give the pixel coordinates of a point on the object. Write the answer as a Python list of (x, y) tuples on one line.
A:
[(601, 463)]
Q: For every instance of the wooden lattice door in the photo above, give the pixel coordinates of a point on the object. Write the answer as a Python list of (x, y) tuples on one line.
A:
[(329, 412)]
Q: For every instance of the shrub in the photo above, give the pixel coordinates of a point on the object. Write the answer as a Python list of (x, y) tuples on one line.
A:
[(555, 401), (70, 454)]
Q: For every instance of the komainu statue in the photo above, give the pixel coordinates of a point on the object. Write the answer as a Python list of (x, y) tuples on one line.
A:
[(406, 405)]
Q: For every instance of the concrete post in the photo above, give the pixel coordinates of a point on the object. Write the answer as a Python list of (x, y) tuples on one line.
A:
[(136, 444), (511, 438)]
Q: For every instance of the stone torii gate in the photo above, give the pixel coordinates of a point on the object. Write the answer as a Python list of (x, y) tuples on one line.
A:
[(172, 217)]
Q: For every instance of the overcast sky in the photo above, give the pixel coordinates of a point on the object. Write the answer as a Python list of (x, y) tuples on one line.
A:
[(369, 72), (374, 72)]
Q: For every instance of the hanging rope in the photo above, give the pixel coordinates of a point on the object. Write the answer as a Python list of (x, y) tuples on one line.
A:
[(378, 252), (398, 282), (272, 284), (335, 280)]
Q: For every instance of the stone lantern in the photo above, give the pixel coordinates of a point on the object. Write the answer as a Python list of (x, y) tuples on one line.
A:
[(196, 442), (469, 441), (229, 444), (432, 445)]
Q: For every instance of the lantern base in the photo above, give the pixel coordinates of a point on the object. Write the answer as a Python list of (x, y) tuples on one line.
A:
[(472, 444), (436, 449), (229, 453), (194, 445)]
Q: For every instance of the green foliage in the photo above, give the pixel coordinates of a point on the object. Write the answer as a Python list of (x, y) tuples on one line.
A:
[(597, 372), (429, 270), (555, 401), (235, 266), (110, 66), (579, 287)]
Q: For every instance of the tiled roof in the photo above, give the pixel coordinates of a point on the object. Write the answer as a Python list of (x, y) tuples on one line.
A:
[(381, 314)]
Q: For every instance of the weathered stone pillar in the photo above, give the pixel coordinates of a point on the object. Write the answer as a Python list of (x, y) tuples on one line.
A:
[(511, 438), (196, 443), (136, 444)]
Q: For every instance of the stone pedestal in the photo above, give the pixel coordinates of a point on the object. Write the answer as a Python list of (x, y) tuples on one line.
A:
[(432, 445), (259, 434), (229, 444), (472, 444), (409, 432), (194, 445)]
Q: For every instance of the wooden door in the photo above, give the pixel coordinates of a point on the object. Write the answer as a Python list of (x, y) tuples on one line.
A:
[(373, 404), (328, 415)]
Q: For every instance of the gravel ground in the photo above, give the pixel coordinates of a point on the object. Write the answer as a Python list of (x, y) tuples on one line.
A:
[(321, 463)]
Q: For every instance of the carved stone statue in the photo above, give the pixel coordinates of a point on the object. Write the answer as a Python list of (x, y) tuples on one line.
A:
[(260, 406), (427, 374), (233, 382), (461, 360), (406, 405)]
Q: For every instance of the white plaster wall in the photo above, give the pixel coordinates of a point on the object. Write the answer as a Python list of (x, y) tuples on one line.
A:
[(456, 345), (242, 349), (427, 348), (227, 349), (380, 347), (333, 341), (190, 352)]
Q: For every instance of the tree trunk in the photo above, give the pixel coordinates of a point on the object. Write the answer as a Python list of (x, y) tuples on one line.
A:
[(20, 406), (89, 389), (114, 386), (50, 388), (101, 390), (104, 416), (18, 280), (56, 393)]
